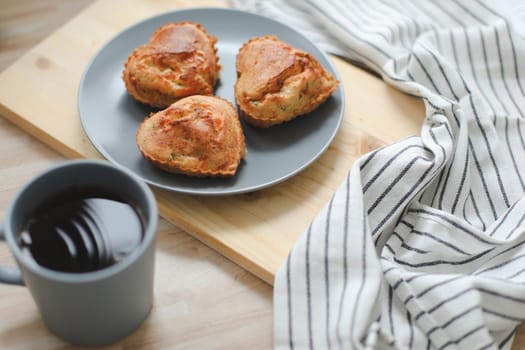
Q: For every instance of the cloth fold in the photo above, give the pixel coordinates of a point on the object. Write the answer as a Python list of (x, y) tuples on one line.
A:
[(423, 245)]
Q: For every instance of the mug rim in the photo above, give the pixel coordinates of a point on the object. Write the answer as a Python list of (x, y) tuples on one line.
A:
[(90, 276)]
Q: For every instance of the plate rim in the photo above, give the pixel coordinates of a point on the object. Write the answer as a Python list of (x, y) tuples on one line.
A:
[(221, 192)]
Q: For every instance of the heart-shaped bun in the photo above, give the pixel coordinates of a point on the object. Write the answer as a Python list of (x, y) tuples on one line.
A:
[(180, 60), (276, 82), (197, 136)]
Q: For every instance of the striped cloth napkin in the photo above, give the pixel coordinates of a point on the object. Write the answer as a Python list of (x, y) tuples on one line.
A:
[(423, 245)]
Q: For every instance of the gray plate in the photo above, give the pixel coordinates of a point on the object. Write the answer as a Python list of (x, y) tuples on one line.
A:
[(110, 117)]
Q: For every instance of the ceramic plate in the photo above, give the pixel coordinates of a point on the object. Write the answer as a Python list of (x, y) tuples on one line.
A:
[(110, 117)]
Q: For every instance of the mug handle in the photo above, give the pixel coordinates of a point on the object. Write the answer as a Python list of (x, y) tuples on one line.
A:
[(9, 275)]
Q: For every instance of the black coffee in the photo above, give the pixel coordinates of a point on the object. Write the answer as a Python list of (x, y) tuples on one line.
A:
[(81, 230)]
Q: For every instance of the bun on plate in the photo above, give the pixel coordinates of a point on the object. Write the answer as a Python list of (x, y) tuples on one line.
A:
[(197, 136), (180, 60), (277, 82)]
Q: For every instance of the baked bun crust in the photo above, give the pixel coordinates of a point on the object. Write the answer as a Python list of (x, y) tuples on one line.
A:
[(276, 82), (197, 136), (180, 60)]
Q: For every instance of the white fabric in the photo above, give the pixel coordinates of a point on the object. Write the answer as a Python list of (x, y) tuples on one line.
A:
[(423, 245)]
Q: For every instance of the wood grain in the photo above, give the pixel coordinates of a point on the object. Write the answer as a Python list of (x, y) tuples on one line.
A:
[(202, 300), (256, 230)]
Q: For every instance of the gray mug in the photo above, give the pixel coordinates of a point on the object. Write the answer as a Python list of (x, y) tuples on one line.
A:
[(89, 308)]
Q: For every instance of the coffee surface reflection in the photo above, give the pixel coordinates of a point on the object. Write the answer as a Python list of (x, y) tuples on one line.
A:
[(81, 230)]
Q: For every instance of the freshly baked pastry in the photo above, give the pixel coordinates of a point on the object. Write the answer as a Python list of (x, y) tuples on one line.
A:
[(276, 82), (197, 136), (180, 60)]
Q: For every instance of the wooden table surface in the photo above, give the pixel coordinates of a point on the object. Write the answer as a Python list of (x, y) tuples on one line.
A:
[(202, 300)]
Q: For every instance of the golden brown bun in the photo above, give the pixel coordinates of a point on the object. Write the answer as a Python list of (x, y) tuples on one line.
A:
[(277, 82), (197, 136), (180, 60)]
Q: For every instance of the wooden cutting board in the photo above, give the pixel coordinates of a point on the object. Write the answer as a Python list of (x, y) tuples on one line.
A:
[(256, 230)]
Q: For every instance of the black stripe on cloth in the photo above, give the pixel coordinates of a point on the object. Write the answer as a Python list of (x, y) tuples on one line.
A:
[(452, 319), (411, 329), (498, 45), (390, 249), (461, 293), (443, 302), (326, 271), (461, 182), (412, 190), (472, 14), (401, 11), (440, 110), (388, 17), (489, 345), (515, 228), (441, 241), (507, 339), (483, 182), (390, 269), (442, 70), (389, 162), (397, 284), (361, 9), (443, 262), (390, 307), (352, 16), (431, 287), (511, 42), (472, 66), (516, 274), (472, 149), (449, 14), (364, 238), (454, 223), (442, 185), (308, 287), (485, 137), (500, 265), (483, 132), (487, 69), (500, 183), (367, 158), (414, 249), (454, 48), (476, 210), (404, 25), (345, 263), (344, 28), (404, 245), (500, 295), (520, 134), (442, 176), (434, 138), (289, 300), (505, 251), (370, 63), (502, 72), (424, 69), (513, 158), (464, 336), (399, 179), (503, 316)]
